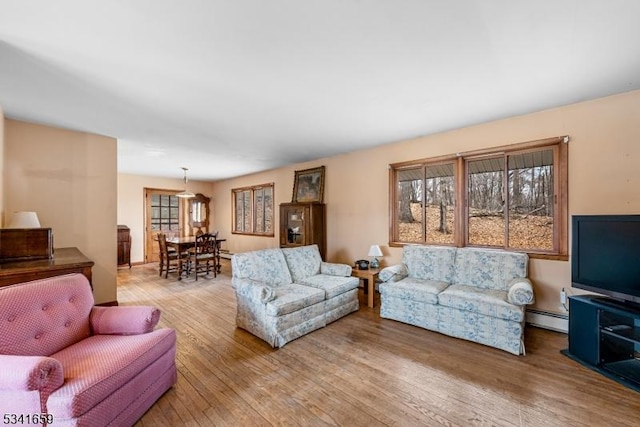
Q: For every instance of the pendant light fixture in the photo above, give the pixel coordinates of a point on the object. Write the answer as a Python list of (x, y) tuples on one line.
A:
[(185, 194)]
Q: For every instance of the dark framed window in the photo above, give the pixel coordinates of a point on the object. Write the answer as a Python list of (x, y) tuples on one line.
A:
[(512, 197), (165, 213), (253, 210)]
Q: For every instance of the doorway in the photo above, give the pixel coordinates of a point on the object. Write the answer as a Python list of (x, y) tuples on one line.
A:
[(163, 213)]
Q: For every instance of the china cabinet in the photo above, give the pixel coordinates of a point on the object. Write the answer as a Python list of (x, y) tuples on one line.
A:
[(303, 224)]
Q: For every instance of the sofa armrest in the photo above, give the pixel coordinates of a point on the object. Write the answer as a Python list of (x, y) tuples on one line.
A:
[(393, 273), (253, 290), (520, 291), (124, 320), (30, 373), (334, 269)]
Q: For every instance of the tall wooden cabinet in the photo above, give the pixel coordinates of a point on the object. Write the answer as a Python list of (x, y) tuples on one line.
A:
[(124, 245), (303, 224)]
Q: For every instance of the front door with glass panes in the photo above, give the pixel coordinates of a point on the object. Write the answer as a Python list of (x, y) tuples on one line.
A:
[(162, 215)]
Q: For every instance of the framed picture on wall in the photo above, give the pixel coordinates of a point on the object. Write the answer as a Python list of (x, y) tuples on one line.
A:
[(308, 185)]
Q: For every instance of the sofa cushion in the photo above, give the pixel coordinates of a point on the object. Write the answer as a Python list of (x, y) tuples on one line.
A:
[(303, 261), (99, 365), (488, 268), (393, 273), (520, 292), (335, 269), (42, 317), (124, 320), (331, 285), (429, 262), (292, 297), (410, 288), (267, 266), (490, 302)]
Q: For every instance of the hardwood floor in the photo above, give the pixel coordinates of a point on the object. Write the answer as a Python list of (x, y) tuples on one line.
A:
[(360, 371)]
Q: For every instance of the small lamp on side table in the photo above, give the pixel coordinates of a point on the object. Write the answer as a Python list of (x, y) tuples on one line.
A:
[(24, 220), (375, 252)]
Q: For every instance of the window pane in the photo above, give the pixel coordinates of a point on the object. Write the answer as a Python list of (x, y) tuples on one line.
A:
[(409, 203), (155, 199), (439, 191), (259, 211), (486, 202), (246, 208), (531, 200), (268, 210), (239, 212)]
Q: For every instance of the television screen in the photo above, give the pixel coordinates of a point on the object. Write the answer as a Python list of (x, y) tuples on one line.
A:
[(605, 255)]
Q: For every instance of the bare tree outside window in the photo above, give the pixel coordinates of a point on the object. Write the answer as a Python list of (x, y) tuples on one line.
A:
[(435, 185), (410, 205), (531, 200), (486, 202), (440, 196)]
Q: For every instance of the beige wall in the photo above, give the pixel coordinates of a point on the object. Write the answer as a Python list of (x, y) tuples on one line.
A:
[(69, 178), (131, 204), (604, 154)]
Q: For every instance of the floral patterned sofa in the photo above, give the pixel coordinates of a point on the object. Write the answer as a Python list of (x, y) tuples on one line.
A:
[(285, 293), (470, 293)]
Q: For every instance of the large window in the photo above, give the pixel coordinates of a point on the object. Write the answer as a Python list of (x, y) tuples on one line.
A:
[(512, 197), (253, 210)]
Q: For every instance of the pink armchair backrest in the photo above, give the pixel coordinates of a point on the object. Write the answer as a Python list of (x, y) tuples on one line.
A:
[(42, 317)]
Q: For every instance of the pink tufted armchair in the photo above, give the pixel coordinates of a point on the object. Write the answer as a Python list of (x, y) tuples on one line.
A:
[(66, 362)]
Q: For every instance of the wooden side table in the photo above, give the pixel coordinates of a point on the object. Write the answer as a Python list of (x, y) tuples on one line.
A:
[(369, 276)]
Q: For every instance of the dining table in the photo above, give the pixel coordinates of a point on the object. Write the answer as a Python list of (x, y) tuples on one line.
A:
[(184, 243)]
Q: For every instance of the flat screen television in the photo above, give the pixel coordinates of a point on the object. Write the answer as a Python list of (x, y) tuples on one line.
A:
[(605, 255)]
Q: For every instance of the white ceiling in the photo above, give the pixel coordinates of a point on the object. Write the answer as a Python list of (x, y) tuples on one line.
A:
[(230, 87)]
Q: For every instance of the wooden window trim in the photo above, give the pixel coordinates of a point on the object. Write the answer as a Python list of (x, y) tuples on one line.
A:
[(560, 146), (252, 210)]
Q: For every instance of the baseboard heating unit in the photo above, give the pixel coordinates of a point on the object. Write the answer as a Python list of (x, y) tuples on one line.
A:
[(548, 320)]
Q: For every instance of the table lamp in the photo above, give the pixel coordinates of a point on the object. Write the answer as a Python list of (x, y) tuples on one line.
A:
[(24, 220), (375, 252)]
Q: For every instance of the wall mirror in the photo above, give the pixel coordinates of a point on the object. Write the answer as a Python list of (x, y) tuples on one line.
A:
[(199, 212)]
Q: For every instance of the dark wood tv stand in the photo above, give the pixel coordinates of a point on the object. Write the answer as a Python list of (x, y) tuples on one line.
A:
[(604, 335)]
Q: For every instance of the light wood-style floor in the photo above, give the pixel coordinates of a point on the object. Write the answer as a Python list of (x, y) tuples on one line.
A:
[(360, 371)]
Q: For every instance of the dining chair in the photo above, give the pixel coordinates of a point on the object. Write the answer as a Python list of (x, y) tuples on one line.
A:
[(169, 260), (203, 258)]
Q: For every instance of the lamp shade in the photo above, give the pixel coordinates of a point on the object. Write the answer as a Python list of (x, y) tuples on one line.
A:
[(24, 220), (186, 194), (375, 250)]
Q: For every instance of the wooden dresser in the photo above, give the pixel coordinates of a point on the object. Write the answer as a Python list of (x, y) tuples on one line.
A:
[(64, 261)]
